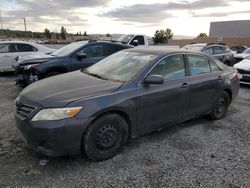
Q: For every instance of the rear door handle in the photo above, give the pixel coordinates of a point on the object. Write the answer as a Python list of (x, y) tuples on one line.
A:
[(184, 85)]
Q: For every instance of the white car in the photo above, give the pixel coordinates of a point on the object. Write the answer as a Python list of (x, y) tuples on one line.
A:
[(243, 55), (243, 68), (10, 50)]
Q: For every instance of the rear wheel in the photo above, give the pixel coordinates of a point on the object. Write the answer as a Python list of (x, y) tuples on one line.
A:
[(105, 137), (221, 106)]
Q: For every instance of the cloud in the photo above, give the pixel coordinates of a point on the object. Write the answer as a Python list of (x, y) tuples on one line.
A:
[(150, 13), (47, 13), (220, 14)]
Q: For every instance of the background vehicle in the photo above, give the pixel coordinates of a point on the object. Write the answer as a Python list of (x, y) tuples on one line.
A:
[(221, 52), (9, 50), (238, 49), (135, 40), (243, 55), (243, 68), (71, 57), (128, 94)]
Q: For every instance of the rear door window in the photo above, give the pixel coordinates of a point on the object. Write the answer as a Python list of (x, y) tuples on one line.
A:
[(93, 51), (218, 50), (25, 48), (198, 64), (208, 50), (171, 68), (214, 67), (111, 48)]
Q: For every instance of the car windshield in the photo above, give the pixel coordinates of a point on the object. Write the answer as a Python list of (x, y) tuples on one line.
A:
[(125, 38), (121, 66), (246, 51), (68, 49), (192, 48)]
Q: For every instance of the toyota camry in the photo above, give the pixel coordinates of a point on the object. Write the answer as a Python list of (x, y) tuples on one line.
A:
[(128, 94)]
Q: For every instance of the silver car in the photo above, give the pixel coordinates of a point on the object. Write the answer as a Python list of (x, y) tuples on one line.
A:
[(10, 50)]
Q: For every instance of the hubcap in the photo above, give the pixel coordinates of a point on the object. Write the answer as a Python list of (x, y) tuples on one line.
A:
[(221, 106), (106, 137)]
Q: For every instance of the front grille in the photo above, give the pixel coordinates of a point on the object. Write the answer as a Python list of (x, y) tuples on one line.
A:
[(23, 110), (241, 71)]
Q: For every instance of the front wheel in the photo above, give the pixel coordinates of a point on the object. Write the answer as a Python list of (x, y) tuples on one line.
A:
[(221, 105), (105, 137)]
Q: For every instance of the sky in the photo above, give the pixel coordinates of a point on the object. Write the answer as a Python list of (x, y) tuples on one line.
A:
[(183, 17)]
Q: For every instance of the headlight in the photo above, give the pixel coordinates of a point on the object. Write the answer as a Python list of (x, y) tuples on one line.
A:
[(27, 67), (56, 113)]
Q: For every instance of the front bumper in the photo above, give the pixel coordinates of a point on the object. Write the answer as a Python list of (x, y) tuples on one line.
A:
[(245, 76), (53, 138)]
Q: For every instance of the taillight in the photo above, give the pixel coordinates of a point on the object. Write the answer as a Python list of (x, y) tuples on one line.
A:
[(238, 76)]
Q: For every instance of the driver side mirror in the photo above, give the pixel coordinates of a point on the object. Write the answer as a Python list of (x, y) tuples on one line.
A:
[(80, 56), (135, 42), (154, 79)]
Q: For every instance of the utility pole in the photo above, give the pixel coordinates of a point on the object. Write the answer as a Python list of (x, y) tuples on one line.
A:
[(25, 27), (1, 20)]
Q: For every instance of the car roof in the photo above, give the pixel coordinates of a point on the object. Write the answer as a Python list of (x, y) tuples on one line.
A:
[(16, 41), (110, 42), (161, 51)]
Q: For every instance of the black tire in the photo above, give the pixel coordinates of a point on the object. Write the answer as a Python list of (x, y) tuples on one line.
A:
[(220, 107), (105, 137), (49, 74)]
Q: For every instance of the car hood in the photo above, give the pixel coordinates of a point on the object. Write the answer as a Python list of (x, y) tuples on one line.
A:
[(243, 56), (35, 58), (244, 64), (58, 91)]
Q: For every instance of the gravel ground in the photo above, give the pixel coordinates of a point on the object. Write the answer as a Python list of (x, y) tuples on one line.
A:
[(197, 153)]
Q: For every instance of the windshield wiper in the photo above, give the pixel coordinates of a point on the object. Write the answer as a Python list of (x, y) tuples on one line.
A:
[(95, 75)]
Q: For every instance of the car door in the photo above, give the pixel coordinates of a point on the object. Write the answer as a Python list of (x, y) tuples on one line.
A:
[(94, 53), (205, 83), (6, 52), (162, 105)]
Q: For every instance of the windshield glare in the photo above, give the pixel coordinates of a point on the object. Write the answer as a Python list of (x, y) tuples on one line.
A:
[(68, 49), (246, 51), (122, 66)]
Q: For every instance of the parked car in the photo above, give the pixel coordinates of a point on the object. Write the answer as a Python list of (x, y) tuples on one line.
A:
[(9, 50), (243, 55), (238, 49), (221, 52), (243, 68), (128, 94), (71, 57)]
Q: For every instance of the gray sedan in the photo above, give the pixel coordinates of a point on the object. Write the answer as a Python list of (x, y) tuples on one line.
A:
[(127, 94)]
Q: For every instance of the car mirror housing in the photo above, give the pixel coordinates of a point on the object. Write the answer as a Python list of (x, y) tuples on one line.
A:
[(80, 56), (154, 79)]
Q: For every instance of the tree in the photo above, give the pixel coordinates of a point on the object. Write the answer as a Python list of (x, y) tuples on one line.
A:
[(108, 35), (85, 33), (162, 36), (202, 35), (63, 33), (47, 33)]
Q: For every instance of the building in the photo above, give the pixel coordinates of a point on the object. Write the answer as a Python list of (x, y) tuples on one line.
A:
[(231, 33), (240, 28)]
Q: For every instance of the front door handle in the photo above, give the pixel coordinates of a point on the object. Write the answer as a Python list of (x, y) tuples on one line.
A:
[(219, 77), (184, 85)]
